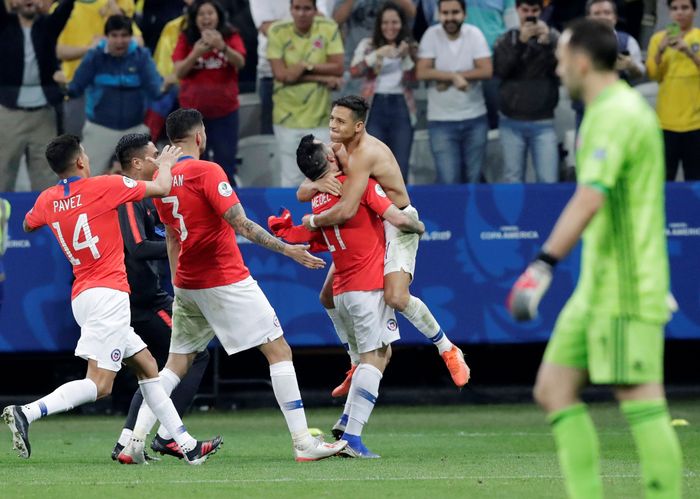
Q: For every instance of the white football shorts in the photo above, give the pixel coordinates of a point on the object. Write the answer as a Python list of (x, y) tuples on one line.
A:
[(238, 314), (373, 321), (401, 247), (106, 335)]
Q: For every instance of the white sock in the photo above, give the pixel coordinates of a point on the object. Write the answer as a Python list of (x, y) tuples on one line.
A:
[(154, 395), (125, 437), (420, 316), (363, 393), (169, 380), (146, 417), (341, 331), (64, 398), (286, 388)]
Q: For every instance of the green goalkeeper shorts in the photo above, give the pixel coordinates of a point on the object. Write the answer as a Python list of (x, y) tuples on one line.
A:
[(614, 350)]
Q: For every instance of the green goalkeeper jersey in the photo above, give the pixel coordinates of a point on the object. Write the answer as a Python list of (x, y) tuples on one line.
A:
[(624, 264)]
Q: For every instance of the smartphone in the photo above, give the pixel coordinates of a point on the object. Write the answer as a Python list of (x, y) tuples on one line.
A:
[(531, 19), (673, 29)]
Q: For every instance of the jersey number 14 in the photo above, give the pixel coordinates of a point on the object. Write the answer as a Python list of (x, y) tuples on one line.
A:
[(90, 241)]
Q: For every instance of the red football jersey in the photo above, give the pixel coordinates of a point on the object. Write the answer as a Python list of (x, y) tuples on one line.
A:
[(82, 213), (357, 246), (209, 255)]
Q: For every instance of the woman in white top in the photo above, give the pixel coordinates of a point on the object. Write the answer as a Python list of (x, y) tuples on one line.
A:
[(386, 61)]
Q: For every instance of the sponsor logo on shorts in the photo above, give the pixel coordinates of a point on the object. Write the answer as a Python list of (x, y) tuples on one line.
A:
[(116, 355), (380, 192), (695, 48), (391, 325), (225, 189), (276, 321), (129, 182)]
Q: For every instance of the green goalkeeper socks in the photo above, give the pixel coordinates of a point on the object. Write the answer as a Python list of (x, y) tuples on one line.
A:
[(658, 447), (578, 449)]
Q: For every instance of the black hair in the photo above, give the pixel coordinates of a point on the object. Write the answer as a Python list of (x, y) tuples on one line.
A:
[(312, 1), (596, 39), (192, 32), (378, 39), (692, 2), (130, 146), (591, 3), (461, 2), (311, 157), (62, 152), (118, 23), (356, 104), (534, 3), (180, 123)]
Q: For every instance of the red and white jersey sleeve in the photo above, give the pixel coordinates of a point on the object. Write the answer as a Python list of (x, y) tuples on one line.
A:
[(357, 246), (82, 214), (209, 255)]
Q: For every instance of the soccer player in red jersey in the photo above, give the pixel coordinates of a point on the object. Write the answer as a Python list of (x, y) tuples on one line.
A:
[(363, 157), (82, 213), (215, 294), (357, 247)]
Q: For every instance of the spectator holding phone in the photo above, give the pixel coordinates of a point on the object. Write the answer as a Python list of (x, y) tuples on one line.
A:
[(673, 59), (525, 62), (629, 55)]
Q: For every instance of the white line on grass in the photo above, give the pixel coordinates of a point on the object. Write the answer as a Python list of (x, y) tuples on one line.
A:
[(336, 479)]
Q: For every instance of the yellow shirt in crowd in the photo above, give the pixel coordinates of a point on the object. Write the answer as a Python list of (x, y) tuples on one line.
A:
[(163, 56), (85, 24), (302, 105), (678, 102)]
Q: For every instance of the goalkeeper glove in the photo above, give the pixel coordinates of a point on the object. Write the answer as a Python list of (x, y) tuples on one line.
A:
[(527, 292)]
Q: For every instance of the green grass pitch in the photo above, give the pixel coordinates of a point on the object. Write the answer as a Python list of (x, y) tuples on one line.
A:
[(503, 451)]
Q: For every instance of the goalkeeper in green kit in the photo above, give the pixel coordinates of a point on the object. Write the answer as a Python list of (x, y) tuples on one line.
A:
[(611, 330)]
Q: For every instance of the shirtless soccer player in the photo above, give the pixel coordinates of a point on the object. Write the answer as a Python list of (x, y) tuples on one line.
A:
[(82, 213), (357, 247), (368, 157), (215, 294)]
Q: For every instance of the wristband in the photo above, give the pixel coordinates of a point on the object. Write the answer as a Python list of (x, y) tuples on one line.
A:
[(547, 258), (312, 223)]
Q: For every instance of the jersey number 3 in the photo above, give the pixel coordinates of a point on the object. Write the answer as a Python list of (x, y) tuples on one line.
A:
[(176, 205), (90, 241)]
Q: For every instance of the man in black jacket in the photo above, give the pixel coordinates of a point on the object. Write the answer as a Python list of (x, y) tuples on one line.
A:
[(151, 306), (28, 92), (524, 59)]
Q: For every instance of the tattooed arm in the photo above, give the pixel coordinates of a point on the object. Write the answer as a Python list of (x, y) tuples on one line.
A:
[(236, 218)]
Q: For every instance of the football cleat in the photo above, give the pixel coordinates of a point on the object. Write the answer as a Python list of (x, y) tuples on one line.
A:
[(358, 450), (166, 447), (203, 450), (118, 448), (133, 453), (527, 292), (15, 419), (318, 450), (339, 427), (459, 370), (344, 388)]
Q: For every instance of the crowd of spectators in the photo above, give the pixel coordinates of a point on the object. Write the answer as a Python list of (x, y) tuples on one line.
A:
[(104, 68)]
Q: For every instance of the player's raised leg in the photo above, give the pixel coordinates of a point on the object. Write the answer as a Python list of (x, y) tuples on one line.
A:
[(286, 388), (398, 297)]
